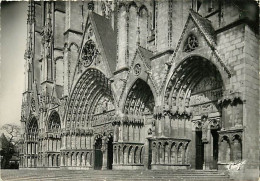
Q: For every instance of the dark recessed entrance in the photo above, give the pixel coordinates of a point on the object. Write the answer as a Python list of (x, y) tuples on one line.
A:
[(98, 155), (110, 153), (199, 150), (215, 136)]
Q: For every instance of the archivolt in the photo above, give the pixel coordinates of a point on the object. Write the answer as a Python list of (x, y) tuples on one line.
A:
[(140, 99), (184, 83), (90, 88)]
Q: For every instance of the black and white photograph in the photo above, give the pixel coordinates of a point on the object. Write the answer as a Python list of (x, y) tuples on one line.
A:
[(130, 90)]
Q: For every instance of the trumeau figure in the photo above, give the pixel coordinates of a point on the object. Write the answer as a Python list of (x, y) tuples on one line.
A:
[(142, 85)]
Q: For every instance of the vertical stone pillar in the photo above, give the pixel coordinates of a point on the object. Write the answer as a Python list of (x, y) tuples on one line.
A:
[(31, 161), (192, 146), (74, 157), (48, 145), (69, 159), (121, 154), (158, 153), (163, 153), (61, 159), (207, 149), (87, 157), (167, 126), (159, 123), (25, 161), (29, 148), (79, 159), (114, 155), (65, 159), (104, 151), (83, 159), (162, 123), (154, 153)]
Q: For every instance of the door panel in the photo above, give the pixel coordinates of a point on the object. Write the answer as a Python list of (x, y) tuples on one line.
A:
[(199, 150), (110, 154), (98, 155)]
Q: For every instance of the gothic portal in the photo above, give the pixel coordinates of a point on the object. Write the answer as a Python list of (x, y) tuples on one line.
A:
[(161, 85)]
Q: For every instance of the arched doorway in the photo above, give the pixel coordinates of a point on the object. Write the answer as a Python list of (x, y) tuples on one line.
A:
[(98, 154), (192, 94), (138, 117), (91, 106)]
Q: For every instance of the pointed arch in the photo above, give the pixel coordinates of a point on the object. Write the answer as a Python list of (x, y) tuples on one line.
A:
[(73, 44), (54, 122), (32, 126), (91, 88), (188, 81), (139, 99), (132, 3)]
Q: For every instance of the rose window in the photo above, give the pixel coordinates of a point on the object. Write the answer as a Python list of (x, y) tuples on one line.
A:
[(191, 43), (89, 53), (137, 69)]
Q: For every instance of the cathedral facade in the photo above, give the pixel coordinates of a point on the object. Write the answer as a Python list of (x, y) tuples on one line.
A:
[(154, 84)]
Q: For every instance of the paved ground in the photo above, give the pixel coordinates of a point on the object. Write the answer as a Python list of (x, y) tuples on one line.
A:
[(108, 175)]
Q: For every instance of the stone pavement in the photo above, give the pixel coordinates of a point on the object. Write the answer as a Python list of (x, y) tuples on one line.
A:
[(107, 175)]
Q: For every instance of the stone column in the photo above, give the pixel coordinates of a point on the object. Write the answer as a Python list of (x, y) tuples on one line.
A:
[(192, 146), (30, 162), (61, 159), (208, 153), (74, 159), (83, 160), (163, 153), (121, 154), (167, 153), (167, 127), (88, 155), (121, 130), (114, 155), (68, 159), (65, 159), (159, 124), (163, 126), (154, 154), (48, 145), (104, 151), (25, 161)]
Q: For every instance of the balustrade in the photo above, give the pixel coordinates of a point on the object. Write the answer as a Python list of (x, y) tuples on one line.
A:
[(77, 159), (128, 154), (230, 147), (169, 151)]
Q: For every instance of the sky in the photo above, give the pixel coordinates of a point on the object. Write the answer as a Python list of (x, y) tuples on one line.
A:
[(13, 44)]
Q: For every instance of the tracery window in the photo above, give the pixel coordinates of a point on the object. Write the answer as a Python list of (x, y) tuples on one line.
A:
[(191, 43), (89, 53), (54, 122), (33, 126)]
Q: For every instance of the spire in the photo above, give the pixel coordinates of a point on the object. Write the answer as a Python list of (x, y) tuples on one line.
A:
[(30, 24)]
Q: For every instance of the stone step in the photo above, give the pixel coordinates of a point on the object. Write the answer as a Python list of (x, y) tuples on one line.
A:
[(115, 175)]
